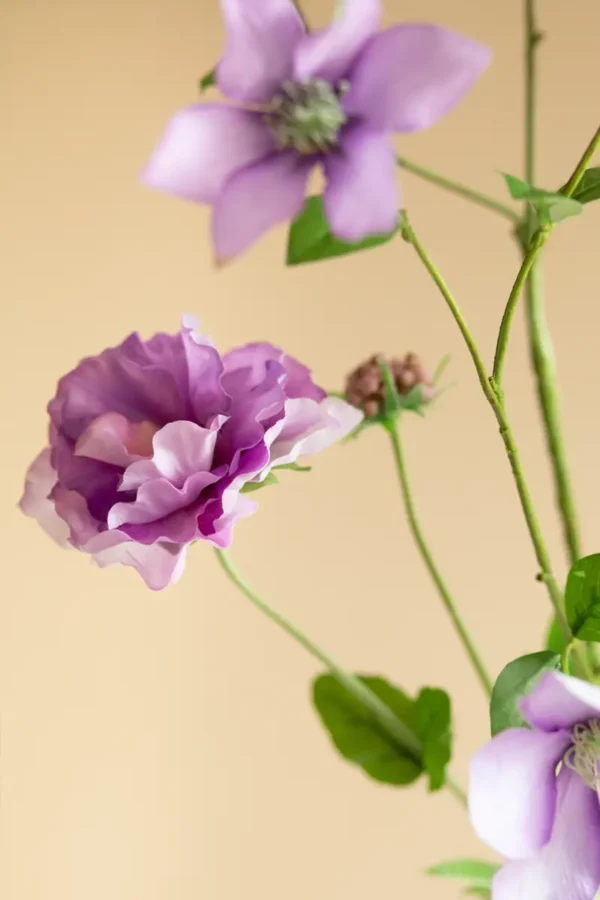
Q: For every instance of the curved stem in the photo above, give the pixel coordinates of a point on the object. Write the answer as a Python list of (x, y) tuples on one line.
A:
[(496, 402), (461, 190), (392, 428), (381, 713), (535, 246)]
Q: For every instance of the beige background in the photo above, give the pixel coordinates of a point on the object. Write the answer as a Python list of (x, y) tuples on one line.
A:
[(162, 746)]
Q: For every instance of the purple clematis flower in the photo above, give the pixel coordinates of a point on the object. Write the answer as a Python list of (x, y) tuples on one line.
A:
[(534, 795), (300, 99), (152, 443)]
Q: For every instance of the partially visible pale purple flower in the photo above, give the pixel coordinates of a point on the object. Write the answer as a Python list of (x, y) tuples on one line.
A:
[(152, 442), (534, 795), (301, 99)]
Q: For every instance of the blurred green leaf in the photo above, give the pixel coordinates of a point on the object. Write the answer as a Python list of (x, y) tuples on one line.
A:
[(588, 188), (310, 238), (515, 681), (207, 81), (252, 486), (582, 598), (475, 870), (435, 730), (550, 206), (357, 735), (293, 467), (555, 639)]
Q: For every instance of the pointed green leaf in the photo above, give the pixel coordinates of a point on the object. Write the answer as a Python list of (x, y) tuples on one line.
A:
[(311, 240), (588, 188), (474, 870), (356, 734), (582, 598), (435, 730), (252, 486), (514, 681), (207, 80), (293, 467), (550, 206)]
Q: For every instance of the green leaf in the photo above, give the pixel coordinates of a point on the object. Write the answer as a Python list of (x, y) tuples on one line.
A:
[(550, 206), (435, 730), (588, 188), (582, 598), (555, 638), (358, 736), (294, 467), (478, 890), (475, 870), (252, 486), (311, 240), (514, 681), (207, 81)]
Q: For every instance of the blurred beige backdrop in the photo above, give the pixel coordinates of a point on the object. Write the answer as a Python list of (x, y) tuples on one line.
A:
[(162, 746)]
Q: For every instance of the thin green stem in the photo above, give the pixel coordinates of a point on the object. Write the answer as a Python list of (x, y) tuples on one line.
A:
[(393, 429), (461, 190), (496, 402), (535, 246), (540, 341), (382, 714)]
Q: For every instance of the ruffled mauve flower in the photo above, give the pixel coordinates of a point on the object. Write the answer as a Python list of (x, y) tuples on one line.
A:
[(152, 442), (534, 795), (332, 97)]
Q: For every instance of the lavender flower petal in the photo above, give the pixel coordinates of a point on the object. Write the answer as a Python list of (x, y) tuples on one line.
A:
[(202, 146), (512, 790), (329, 54), (35, 502), (559, 701), (261, 38), (159, 564), (568, 867), (257, 198), (408, 77), (362, 195)]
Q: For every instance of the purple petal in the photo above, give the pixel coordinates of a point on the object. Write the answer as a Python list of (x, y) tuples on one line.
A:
[(261, 38), (362, 196), (157, 499), (202, 147), (512, 790), (568, 867), (329, 54), (559, 701), (410, 76), (252, 359), (257, 198), (159, 564), (73, 508), (36, 501)]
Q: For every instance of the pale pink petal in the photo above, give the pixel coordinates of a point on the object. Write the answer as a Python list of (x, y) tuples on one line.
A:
[(36, 502), (257, 198), (408, 77), (159, 564), (559, 701), (183, 448), (111, 438), (568, 867), (310, 427), (137, 473), (512, 790), (261, 38), (202, 147), (73, 508), (362, 195), (236, 506), (329, 54), (157, 499)]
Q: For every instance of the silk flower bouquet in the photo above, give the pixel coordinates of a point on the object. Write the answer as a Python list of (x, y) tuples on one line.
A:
[(154, 445)]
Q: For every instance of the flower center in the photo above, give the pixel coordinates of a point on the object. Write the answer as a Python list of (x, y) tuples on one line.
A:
[(583, 756), (308, 116)]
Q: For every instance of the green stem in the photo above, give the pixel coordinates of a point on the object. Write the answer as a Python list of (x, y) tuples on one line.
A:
[(497, 404), (540, 341), (417, 533), (535, 246), (461, 190), (381, 713)]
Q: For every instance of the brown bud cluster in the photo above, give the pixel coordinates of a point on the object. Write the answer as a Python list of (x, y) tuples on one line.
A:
[(365, 386)]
